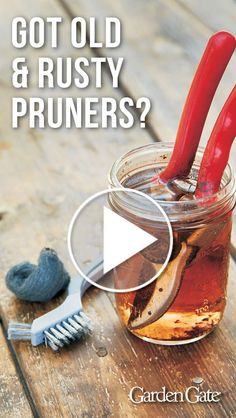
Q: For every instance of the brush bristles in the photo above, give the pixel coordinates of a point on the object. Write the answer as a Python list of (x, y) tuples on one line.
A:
[(18, 331), (66, 332), (61, 334)]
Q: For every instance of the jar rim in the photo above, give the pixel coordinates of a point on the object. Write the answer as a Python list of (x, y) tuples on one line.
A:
[(212, 201)]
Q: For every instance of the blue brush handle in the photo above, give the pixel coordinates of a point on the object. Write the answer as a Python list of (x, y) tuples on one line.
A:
[(79, 284)]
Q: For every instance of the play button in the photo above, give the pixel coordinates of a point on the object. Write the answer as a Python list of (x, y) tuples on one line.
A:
[(119, 250), (120, 240)]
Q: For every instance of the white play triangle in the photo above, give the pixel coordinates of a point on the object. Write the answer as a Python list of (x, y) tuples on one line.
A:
[(121, 239)]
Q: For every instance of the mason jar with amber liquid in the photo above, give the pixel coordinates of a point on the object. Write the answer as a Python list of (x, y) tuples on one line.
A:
[(187, 301)]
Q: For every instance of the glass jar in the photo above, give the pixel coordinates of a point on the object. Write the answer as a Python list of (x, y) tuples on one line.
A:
[(198, 267)]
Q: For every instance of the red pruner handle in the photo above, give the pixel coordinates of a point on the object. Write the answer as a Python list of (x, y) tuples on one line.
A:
[(216, 56), (216, 155)]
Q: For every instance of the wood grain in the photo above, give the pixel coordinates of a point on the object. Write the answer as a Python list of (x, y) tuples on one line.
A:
[(13, 401), (48, 174), (223, 17)]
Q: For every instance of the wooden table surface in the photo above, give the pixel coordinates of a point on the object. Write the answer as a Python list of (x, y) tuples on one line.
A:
[(46, 174)]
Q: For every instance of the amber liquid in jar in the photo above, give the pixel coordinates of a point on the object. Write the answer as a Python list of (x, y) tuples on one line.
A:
[(201, 296)]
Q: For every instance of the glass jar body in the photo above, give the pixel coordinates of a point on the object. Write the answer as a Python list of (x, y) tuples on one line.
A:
[(199, 264)]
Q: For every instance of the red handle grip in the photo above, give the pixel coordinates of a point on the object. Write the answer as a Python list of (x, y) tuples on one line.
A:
[(217, 151), (209, 73)]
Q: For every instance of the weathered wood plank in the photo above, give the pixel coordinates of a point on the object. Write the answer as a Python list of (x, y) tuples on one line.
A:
[(215, 14), (13, 401), (162, 45)]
